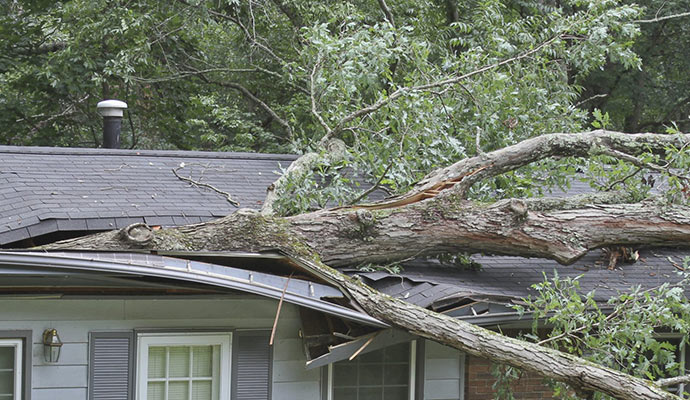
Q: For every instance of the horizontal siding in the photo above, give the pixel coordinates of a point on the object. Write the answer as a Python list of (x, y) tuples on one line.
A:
[(291, 380), (294, 371), (51, 376), (442, 368), (59, 394), (296, 391), (74, 319), (288, 349), (443, 372)]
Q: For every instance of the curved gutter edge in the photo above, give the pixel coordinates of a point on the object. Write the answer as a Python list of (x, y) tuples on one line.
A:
[(190, 275)]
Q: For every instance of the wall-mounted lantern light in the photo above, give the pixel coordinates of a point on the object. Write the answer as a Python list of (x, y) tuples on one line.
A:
[(51, 345)]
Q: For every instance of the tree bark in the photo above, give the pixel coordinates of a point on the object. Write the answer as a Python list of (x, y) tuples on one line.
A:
[(463, 174), (435, 218), (251, 231)]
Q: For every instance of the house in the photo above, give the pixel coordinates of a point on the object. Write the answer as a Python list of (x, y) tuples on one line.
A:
[(169, 325)]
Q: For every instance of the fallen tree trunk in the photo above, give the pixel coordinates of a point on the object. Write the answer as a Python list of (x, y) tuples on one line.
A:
[(559, 229), (433, 218), (471, 339), (237, 233)]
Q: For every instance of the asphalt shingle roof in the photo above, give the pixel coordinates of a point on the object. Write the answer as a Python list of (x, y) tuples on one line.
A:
[(425, 282), (46, 189)]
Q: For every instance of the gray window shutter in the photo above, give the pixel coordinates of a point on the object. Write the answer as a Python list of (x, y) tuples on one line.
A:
[(111, 365), (251, 366)]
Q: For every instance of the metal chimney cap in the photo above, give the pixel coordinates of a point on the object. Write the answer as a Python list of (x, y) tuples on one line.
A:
[(111, 108)]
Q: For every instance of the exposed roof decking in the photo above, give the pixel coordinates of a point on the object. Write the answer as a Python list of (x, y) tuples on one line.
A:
[(43, 190)]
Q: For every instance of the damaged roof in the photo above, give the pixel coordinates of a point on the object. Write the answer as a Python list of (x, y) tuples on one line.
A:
[(95, 271), (504, 280), (51, 189)]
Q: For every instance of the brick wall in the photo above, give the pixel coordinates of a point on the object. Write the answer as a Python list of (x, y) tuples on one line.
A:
[(478, 382)]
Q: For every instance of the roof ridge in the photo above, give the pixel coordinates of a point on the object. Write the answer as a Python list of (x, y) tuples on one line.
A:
[(76, 151)]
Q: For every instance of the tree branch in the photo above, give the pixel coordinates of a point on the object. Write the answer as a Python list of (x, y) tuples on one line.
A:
[(334, 150), (444, 82), (248, 35), (316, 114), (274, 233), (386, 11), (374, 187), (227, 195), (249, 95), (465, 173), (659, 19), (672, 381)]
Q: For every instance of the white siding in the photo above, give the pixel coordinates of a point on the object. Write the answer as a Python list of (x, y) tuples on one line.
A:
[(444, 371), (74, 319), (291, 380)]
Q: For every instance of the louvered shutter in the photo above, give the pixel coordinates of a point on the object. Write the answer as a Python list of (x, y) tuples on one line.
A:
[(111, 365), (251, 367)]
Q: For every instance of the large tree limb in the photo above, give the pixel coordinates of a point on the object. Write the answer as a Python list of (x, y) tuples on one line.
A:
[(465, 173), (561, 229), (250, 231)]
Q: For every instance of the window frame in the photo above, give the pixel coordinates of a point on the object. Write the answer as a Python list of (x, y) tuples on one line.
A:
[(23, 357), (222, 339), (412, 374)]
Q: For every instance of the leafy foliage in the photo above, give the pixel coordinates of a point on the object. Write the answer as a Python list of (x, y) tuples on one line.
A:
[(630, 333), (655, 96), (242, 76)]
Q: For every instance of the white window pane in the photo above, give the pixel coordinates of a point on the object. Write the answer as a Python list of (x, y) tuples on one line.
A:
[(371, 393), (201, 390), (378, 375), (179, 362), (345, 393), (6, 383), (7, 371), (371, 374), (395, 393), (397, 374), (203, 361), (156, 362), (184, 367), (178, 390), (156, 391), (6, 357)]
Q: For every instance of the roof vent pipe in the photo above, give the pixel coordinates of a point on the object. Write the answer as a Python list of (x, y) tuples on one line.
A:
[(112, 112)]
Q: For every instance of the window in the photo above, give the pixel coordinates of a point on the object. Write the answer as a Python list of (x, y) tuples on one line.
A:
[(11, 369), (183, 366), (683, 360), (385, 374)]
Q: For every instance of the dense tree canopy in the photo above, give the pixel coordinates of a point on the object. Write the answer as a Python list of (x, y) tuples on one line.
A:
[(279, 75), (455, 107)]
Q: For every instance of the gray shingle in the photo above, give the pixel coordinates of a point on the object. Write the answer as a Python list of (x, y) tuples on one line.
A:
[(43, 227), (512, 277), (71, 225), (118, 187)]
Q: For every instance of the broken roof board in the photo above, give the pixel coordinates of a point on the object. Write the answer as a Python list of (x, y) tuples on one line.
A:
[(48, 189), (505, 277), (302, 293)]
